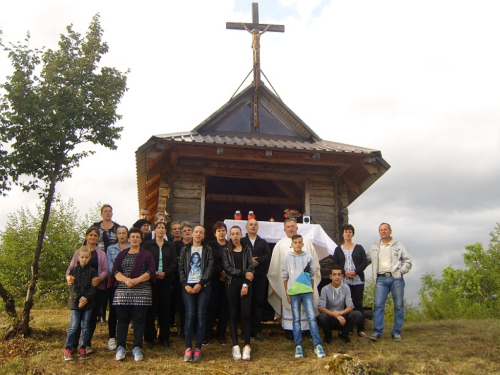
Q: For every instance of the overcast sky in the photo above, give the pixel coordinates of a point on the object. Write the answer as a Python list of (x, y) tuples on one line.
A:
[(417, 80)]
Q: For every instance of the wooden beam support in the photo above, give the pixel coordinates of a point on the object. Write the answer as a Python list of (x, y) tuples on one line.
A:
[(202, 200), (152, 193), (156, 166), (289, 193), (341, 171), (280, 156), (150, 182), (307, 198), (370, 168), (256, 174), (351, 184), (299, 185), (237, 166), (174, 158), (153, 187), (251, 199)]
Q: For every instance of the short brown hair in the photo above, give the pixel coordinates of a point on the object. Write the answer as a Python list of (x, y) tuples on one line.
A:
[(160, 223), (104, 206), (347, 227), (134, 230), (219, 225), (92, 229), (385, 224)]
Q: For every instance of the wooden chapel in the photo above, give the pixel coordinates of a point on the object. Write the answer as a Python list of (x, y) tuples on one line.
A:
[(254, 154)]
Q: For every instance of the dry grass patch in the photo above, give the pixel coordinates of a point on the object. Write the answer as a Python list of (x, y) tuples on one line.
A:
[(449, 347)]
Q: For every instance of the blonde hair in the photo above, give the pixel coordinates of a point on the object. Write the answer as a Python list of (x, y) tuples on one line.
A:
[(83, 250)]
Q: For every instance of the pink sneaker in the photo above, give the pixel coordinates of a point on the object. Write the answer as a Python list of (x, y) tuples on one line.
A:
[(67, 355), (197, 355), (83, 353), (188, 355)]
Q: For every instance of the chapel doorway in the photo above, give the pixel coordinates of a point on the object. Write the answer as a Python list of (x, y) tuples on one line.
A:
[(266, 198)]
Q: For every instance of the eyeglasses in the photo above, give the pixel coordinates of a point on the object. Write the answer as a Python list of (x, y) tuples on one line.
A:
[(186, 230)]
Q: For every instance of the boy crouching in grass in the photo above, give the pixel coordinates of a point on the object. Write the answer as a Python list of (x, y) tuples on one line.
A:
[(336, 308), (298, 277), (80, 302)]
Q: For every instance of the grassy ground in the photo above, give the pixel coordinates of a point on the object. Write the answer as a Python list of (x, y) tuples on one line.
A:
[(448, 347)]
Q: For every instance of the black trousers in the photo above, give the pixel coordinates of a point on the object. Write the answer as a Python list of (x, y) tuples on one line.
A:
[(329, 323), (112, 318), (239, 307), (178, 302), (259, 300), (162, 292), (104, 305), (217, 310), (126, 313), (357, 299)]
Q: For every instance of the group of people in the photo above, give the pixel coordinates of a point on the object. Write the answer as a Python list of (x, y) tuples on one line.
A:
[(149, 276)]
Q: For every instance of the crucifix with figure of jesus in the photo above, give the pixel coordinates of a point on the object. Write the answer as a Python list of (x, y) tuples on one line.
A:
[(256, 29)]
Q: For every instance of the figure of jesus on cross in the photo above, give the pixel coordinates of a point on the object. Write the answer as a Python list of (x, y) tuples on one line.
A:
[(256, 42), (256, 30)]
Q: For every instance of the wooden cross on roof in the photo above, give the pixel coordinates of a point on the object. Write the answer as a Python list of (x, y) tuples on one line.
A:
[(256, 29)]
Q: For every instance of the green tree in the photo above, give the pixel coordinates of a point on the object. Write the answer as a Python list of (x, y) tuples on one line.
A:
[(469, 293), (45, 117), (64, 234), (94, 215)]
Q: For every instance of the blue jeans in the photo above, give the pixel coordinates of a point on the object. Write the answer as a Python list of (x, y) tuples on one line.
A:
[(77, 317), (196, 308), (307, 300), (396, 287)]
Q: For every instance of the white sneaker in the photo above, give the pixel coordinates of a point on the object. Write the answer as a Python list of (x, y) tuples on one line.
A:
[(319, 351), (298, 352), (120, 353), (137, 353), (246, 353), (112, 344), (236, 353)]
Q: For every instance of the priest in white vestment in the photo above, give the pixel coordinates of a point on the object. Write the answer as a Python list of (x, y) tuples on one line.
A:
[(277, 293)]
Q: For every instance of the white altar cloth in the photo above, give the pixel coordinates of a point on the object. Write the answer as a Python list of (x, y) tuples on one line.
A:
[(273, 231)]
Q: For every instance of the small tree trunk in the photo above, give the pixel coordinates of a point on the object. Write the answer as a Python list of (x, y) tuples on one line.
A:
[(23, 325), (10, 303), (10, 308)]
